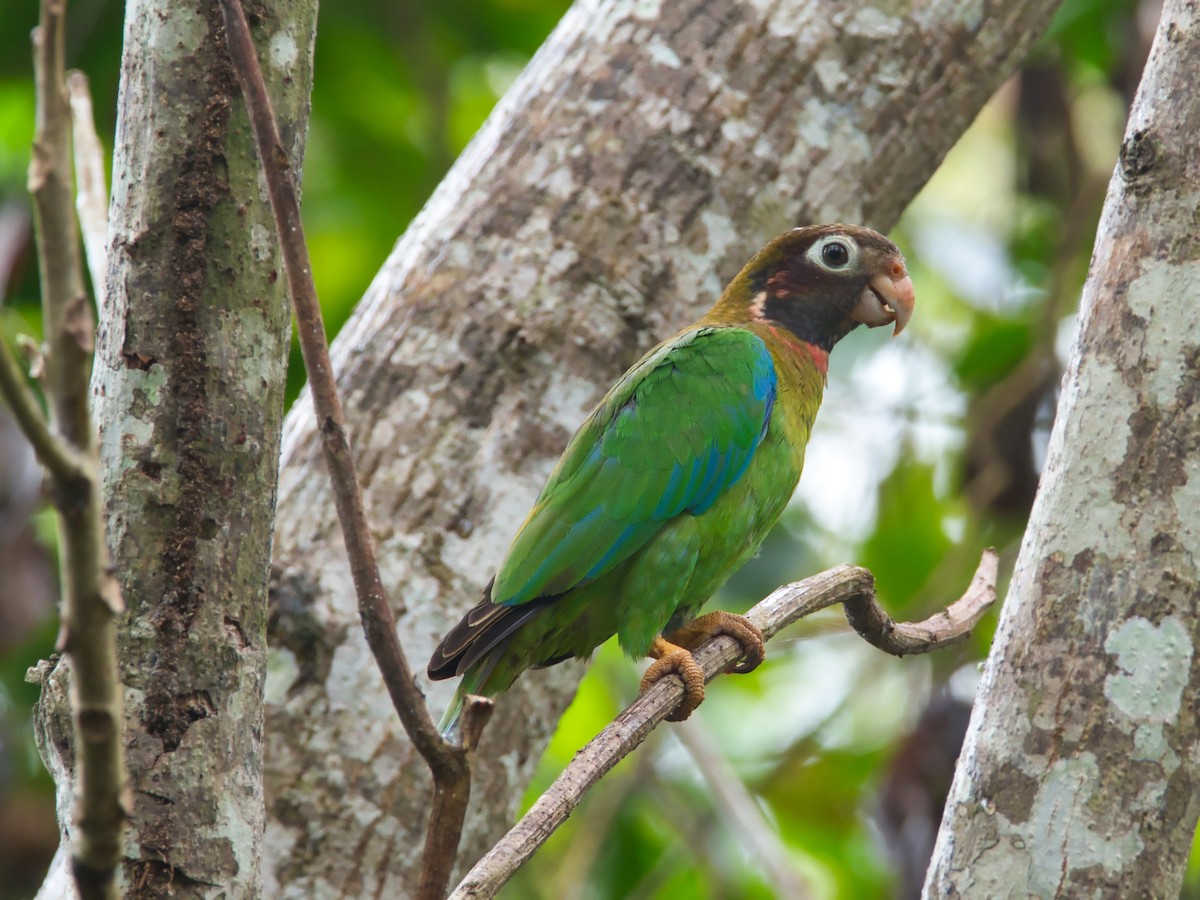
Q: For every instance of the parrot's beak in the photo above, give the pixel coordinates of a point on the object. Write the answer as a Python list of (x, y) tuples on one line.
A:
[(887, 298)]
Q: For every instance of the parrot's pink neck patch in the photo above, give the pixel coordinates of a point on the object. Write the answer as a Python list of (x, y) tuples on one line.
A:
[(820, 357)]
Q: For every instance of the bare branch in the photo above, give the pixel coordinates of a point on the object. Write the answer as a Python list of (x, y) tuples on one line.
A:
[(51, 452), (91, 597), (476, 712), (68, 316), (948, 626), (91, 200), (844, 584), (448, 762)]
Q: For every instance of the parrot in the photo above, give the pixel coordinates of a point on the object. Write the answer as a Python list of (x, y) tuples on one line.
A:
[(673, 481)]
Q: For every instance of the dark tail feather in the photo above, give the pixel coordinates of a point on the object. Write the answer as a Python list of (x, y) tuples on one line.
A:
[(472, 649), (486, 627)]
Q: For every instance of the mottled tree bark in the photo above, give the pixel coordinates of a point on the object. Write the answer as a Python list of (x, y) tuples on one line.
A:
[(1080, 775), (188, 385), (647, 151)]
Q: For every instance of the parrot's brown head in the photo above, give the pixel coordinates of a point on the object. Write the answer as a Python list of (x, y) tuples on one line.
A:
[(821, 281)]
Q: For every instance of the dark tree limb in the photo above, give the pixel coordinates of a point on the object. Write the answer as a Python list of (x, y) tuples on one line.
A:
[(448, 762), (851, 586), (66, 446)]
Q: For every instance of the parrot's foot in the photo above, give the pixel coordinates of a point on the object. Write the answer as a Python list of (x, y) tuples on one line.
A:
[(717, 623), (673, 660)]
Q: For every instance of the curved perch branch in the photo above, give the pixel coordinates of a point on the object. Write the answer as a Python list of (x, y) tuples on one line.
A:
[(852, 586)]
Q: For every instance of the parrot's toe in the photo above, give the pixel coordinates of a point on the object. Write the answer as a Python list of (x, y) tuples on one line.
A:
[(741, 629), (674, 660)]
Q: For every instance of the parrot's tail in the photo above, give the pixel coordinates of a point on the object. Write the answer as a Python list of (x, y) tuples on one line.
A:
[(450, 719), (474, 681), (449, 726)]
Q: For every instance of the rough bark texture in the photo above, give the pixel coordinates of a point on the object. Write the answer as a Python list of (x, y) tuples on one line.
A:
[(647, 151), (188, 385), (1080, 776)]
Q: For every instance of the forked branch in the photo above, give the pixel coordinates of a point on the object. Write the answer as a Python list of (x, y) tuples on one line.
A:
[(448, 762), (851, 586)]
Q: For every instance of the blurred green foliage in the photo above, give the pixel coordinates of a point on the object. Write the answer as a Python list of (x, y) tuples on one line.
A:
[(926, 449)]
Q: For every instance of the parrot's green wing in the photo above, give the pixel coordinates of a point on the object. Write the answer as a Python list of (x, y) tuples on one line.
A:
[(675, 432), (670, 437)]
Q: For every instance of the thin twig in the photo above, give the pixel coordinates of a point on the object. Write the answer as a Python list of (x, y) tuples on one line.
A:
[(91, 597), (451, 774), (741, 813), (844, 584), (69, 325), (950, 626), (91, 198), (52, 453)]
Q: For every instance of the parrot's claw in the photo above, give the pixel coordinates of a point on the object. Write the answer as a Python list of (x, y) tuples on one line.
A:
[(673, 660), (737, 627)]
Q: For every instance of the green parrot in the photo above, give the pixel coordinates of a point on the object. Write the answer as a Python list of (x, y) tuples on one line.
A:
[(674, 480)]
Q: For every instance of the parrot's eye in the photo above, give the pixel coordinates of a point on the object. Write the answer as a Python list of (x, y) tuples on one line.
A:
[(835, 255)]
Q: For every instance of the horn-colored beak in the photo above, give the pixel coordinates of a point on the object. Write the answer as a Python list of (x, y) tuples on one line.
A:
[(887, 298)]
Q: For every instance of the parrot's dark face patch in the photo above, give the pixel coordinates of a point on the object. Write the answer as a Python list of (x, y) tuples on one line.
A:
[(822, 282)]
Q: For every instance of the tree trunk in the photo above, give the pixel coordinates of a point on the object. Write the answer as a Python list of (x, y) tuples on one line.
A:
[(189, 380), (1080, 775), (645, 153)]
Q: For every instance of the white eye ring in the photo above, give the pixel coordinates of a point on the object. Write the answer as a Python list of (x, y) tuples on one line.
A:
[(820, 253)]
